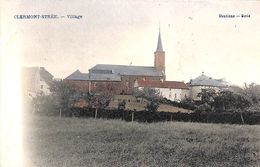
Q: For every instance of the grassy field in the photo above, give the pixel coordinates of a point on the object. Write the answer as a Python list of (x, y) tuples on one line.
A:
[(51, 142), (141, 107)]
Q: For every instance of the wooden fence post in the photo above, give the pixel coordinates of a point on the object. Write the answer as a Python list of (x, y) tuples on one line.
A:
[(242, 119), (133, 116), (96, 113)]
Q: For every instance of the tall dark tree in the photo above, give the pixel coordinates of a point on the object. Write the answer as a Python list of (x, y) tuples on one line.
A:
[(227, 100), (65, 96), (101, 101), (207, 99)]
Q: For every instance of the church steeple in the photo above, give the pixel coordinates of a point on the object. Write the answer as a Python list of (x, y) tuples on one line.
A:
[(159, 56), (159, 44)]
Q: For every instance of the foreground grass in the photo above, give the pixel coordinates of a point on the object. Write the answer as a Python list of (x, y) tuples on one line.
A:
[(71, 142)]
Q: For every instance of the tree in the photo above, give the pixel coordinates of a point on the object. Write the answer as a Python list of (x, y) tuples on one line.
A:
[(153, 105), (207, 99), (121, 105), (223, 100), (252, 91), (64, 95), (44, 105), (147, 93), (101, 101), (188, 103), (152, 95), (227, 100)]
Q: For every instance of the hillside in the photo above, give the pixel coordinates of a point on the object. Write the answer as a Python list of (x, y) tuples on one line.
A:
[(133, 104)]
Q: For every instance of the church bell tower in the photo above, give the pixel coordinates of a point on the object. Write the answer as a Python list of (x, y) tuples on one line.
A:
[(159, 56)]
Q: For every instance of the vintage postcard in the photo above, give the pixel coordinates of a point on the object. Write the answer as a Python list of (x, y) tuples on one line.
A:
[(130, 83)]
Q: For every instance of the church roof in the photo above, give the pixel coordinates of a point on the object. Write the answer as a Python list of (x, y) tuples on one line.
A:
[(159, 44), (162, 84), (125, 70), (204, 80), (79, 76)]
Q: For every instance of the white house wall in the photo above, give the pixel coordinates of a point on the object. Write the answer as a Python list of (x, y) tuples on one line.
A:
[(35, 85), (44, 87), (173, 94)]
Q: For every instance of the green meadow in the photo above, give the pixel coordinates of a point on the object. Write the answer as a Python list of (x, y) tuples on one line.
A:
[(69, 142)]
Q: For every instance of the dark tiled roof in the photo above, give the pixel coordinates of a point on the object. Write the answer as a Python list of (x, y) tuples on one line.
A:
[(77, 75), (107, 72), (204, 80), (126, 70), (162, 84)]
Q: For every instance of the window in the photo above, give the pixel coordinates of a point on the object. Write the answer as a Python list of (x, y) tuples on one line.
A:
[(175, 95), (102, 71)]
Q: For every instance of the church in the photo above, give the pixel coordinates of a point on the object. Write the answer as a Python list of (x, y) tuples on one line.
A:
[(123, 79)]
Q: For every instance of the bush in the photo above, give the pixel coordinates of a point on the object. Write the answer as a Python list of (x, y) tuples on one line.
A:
[(152, 106), (233, 117), (254, 108), (45, 105), (186, 103)]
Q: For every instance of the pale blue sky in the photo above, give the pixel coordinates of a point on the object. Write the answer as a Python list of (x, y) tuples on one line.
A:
[(194, 38)]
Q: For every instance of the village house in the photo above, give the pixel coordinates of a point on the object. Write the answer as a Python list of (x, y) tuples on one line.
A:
[(35, 81), (172, 90), (203, 82), (123, 80)]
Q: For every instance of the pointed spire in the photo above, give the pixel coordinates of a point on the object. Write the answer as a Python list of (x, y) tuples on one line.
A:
[(159, 44)]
